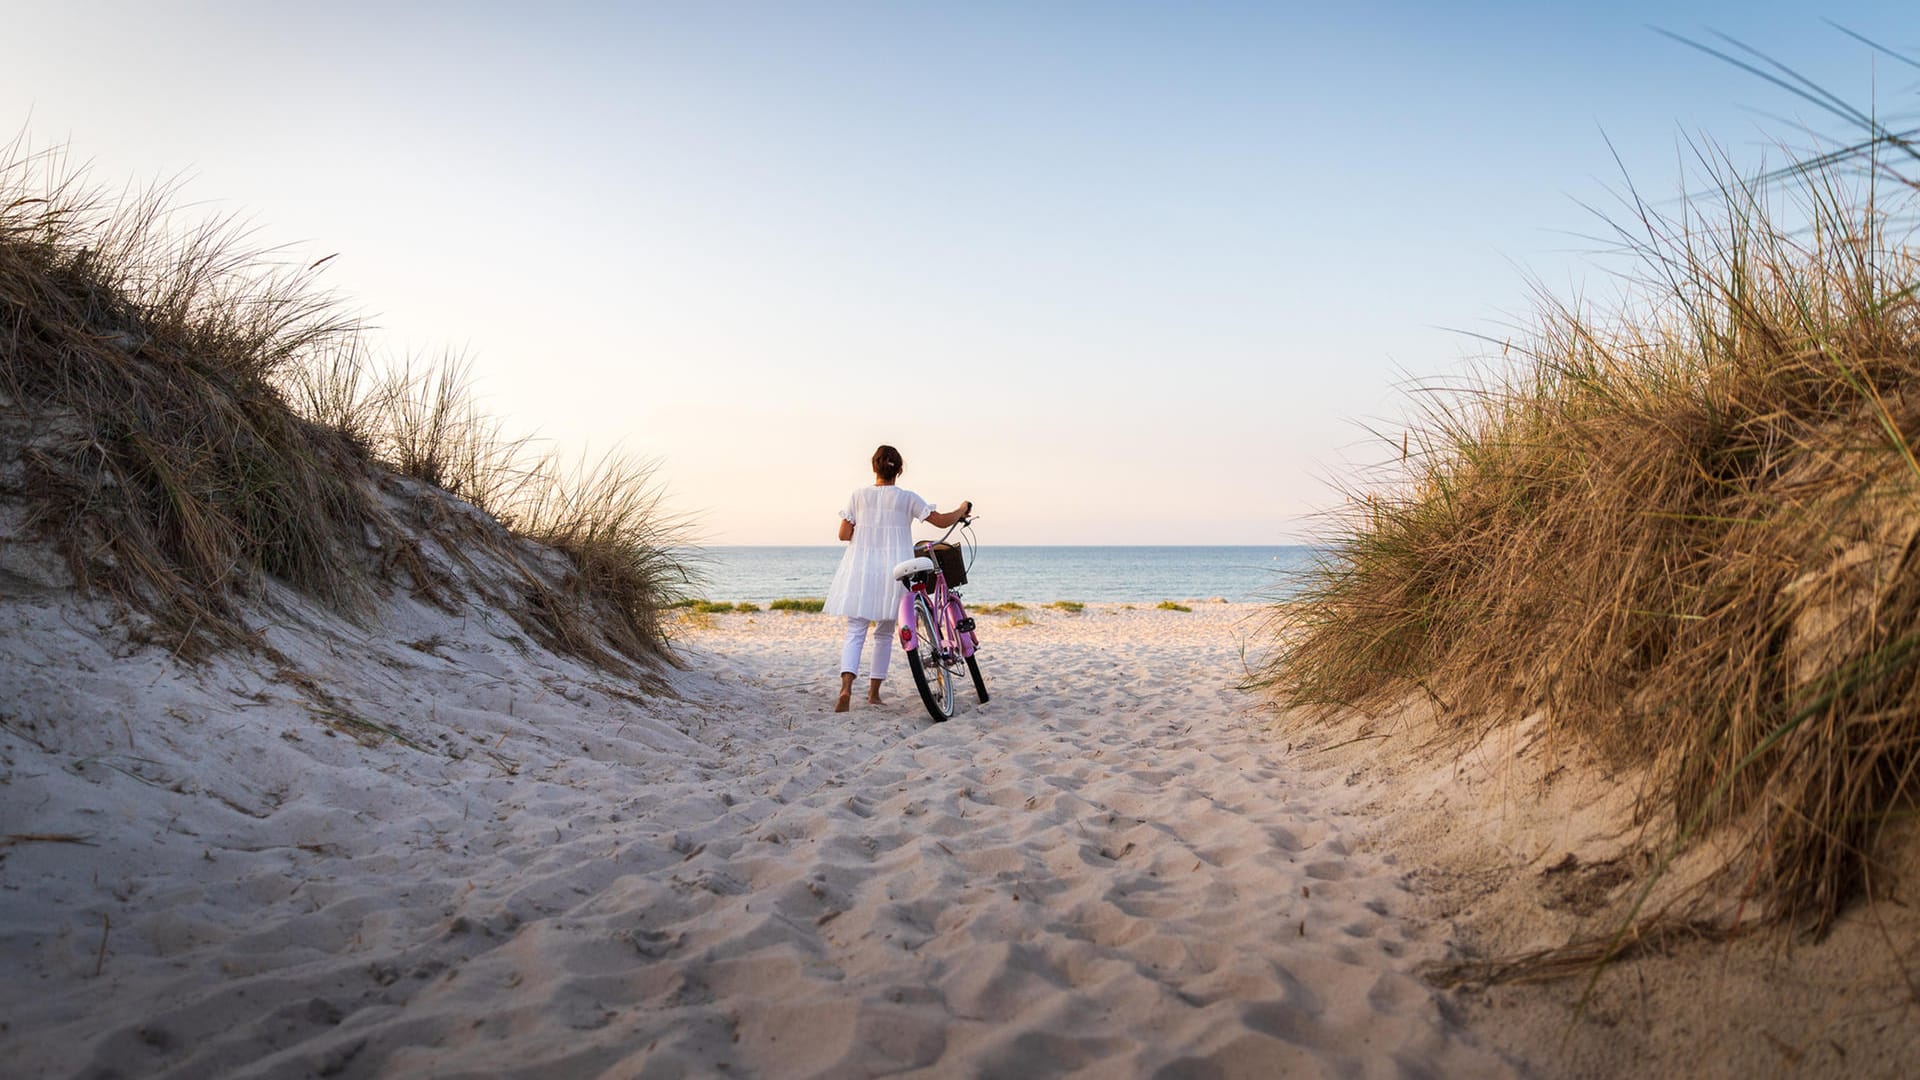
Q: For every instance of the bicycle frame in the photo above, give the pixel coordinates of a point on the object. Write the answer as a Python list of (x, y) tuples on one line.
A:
[(948, 613), (947, 610)]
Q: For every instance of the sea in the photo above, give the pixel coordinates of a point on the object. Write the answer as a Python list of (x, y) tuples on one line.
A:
[(1029, 575)]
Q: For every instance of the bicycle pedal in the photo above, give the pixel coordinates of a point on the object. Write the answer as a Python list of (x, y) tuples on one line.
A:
[(965, 625)]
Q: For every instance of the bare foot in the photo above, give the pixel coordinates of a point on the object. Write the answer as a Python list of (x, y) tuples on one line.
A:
[(844, 702), (874, 699), (873, 692)]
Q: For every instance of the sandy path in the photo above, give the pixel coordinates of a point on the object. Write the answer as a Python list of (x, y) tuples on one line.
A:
[(1099, 868), (1097, 872)]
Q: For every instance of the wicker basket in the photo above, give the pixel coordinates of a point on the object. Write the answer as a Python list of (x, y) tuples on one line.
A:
[(952, 564)]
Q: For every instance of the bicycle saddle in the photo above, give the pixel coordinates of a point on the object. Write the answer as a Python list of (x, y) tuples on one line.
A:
[(905, 570)]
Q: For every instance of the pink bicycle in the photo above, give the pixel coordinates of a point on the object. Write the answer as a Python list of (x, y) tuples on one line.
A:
[(936, 631)]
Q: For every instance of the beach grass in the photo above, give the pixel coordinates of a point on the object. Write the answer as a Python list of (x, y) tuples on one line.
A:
[(723, 607), (210, 417), (802, 604), (1072, 607), (1685, 527), (1168, 605)]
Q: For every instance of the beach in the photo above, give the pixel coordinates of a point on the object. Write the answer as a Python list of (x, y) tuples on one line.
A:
[(1109, 869), (440, 850), (370, 709)]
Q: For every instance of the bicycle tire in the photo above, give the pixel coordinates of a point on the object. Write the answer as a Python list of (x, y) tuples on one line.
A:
[(930, 676), (979, 683)]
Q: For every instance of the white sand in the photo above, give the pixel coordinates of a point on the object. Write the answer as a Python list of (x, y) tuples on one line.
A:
[(1519, 842), (1103, 871), (434, 848)]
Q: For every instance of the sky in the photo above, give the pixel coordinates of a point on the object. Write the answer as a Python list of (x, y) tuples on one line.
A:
[(1120, 273)]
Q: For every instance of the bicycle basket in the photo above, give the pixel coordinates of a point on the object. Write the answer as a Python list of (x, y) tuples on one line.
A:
[(952, 564)]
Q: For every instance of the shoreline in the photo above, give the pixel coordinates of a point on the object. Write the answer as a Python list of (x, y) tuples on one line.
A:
[(1031, 575)]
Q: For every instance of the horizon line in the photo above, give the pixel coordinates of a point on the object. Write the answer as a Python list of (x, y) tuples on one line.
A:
[(1273, 544)]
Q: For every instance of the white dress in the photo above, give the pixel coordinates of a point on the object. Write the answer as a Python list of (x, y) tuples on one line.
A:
[(883, 517)]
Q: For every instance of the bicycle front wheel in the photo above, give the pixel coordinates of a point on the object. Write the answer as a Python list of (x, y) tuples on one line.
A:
[(930, 673), (979, 684)]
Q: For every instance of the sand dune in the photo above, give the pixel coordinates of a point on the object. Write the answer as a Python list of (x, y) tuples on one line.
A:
[(557, 873)]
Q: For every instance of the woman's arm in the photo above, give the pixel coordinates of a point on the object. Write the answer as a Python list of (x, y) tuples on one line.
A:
[(846, 529), (945, 519)]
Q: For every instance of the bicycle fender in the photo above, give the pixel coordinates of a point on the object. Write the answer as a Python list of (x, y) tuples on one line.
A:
[(956, 613), (906, 622)]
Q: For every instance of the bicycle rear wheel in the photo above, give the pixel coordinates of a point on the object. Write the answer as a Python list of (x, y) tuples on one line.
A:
[(930, 674)]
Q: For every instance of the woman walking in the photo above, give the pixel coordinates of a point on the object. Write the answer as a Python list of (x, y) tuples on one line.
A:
[(879, 520)]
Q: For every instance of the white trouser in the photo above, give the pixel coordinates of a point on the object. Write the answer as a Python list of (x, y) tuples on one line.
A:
[(857, 639)]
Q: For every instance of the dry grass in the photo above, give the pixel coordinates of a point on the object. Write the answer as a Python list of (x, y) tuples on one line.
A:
[(607, 518), (168, 463), (1687, 528), (1657, 936), (204, 416)]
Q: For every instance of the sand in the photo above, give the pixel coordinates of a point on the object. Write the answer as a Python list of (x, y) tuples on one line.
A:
[(422, 845), (1521, 843), (239, 868)]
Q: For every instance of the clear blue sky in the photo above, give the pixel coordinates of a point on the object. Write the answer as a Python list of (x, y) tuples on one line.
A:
[(1121, 273)]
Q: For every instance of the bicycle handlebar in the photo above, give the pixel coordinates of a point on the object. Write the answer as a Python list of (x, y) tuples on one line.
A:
[(968, 520)]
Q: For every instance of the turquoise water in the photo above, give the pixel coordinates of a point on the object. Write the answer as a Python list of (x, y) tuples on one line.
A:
[(1030, 574)]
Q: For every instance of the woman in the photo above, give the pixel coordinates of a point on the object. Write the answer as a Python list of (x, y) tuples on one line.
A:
[(879, 520)]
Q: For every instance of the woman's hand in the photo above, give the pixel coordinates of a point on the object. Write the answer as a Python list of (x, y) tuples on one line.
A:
[(946, 519)]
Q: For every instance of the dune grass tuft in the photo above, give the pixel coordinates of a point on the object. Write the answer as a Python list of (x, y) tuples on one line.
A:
[(204, 417), (1168, 605), (812, 603), (1687, 528), (165, 460), (1072, 607)]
